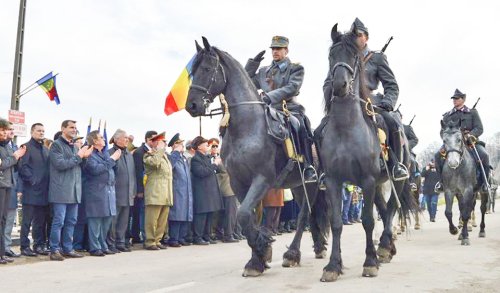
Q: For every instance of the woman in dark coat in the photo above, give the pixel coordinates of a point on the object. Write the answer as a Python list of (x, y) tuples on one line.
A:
[(206, 194), (99, 193)]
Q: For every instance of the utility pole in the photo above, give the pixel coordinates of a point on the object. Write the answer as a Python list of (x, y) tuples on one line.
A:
[(18, 61)]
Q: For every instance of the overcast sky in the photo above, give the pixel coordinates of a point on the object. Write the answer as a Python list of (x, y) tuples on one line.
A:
[(118, 59)]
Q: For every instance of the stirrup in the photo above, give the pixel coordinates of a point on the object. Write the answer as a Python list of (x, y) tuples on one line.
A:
[(438, 187), (413, 187), (314, 177), (321, 180), (406, 176)]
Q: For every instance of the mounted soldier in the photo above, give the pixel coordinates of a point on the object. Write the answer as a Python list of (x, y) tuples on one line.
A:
[(278, 83), (377, 71), (472, 128)]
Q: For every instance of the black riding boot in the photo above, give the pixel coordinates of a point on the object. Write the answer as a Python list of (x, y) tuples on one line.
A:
[(399, 171)]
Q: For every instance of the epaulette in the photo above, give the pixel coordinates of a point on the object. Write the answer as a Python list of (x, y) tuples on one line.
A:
[(295, 63)]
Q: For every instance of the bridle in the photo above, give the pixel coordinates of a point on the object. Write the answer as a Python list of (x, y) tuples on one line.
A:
[(353, 72), (208, 97), (459, 151)]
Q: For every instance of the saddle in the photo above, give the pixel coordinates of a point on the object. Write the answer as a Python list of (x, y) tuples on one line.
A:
[(280, 129)]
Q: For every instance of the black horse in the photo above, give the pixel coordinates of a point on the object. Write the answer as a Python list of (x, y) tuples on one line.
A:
[(460, 180), (253, 159), (352, 155)]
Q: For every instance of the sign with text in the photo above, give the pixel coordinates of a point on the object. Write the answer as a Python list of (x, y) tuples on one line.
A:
[(20, 129), (16, 117)]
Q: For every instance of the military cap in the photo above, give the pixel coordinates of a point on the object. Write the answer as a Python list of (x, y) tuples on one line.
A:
[(358, 26), (458, 94), (158, 137), (195, 143), (279, 42), (175, 139)]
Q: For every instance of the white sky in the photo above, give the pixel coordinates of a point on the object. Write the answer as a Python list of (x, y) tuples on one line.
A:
[(118, 59)]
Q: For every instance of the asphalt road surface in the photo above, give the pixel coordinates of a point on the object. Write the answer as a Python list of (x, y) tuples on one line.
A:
[(428, 260)]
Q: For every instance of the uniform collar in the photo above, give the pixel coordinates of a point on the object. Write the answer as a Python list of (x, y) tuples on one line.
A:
[(282, 64), (464, 109), (366, 51)]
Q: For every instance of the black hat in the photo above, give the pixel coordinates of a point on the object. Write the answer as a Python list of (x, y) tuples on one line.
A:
[(458, 94), (175, 139), (197, 141), (358, 26)]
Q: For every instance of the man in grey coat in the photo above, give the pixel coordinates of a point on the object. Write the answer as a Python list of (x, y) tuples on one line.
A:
[(125, 188), (65, 190)]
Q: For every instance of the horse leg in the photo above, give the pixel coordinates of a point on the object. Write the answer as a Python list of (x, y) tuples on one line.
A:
[(484, 200), (319, 224), (370, 266), (448, 212), (333, 269), (259, 239), (291, 257), (466, 207), (387, 249)]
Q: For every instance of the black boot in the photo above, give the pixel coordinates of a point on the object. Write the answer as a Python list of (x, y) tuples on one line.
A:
[(399, 172), (310, 175)]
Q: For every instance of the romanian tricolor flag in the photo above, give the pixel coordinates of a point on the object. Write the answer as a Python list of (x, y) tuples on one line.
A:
[(48, 84), (176, 99)]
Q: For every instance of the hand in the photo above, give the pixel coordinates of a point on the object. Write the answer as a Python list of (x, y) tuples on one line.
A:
[(259, 57), (471, 139), (266, 98), (140, 195), (386, 106), (116, 155), (217, 161), (20, 152), (89, 151)]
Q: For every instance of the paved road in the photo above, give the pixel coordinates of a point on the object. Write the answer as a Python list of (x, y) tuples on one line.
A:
[(428, 260)]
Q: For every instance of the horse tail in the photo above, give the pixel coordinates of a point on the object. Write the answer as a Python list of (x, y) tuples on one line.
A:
[(319, 221), (409, 205)]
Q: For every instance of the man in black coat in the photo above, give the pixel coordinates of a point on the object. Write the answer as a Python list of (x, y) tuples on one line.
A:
[(432, 177), (34, 173), (137, 211), (206, 195)]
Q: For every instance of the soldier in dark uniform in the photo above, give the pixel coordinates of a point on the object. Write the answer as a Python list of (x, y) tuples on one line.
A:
[(471, 126), (412, 142), (281, 81), (377, 70)]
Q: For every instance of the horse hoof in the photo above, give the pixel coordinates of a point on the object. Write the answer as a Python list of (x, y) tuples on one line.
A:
[(384, 255), (320, 255), (375, 241), (460, 237), (469, 228), (329, 276), (251, 273), (287, 263), (417, 227), (482, 234), (453, 231), (466, 242), (370, 271)]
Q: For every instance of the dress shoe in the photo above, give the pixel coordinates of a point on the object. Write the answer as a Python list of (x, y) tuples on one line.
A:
[(152, 247), (135, 241), (161, 246), (11, 253), (114, 250), (28, 252), (433, 220), (7, 259), (97, 253), (42, 251), (347, 223), (230, 240), (2, 261), (108, 252), (184, 243), (200, 242), (174, 244), (56, 256), (123, 249), (72, 254)]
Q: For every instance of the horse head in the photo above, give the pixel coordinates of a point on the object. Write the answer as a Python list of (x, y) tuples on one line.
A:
[(453, 143), (345, 61), (208, 79)]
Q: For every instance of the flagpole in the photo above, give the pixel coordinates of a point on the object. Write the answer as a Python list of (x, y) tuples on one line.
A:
[(200, 125), (18, 60)]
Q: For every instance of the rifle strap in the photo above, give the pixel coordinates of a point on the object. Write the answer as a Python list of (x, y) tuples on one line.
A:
[(368, 57)]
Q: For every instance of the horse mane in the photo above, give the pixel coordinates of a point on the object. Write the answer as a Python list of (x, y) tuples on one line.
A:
[(348, 42)]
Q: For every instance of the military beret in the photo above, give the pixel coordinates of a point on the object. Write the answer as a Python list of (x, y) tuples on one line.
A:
[(358, 26), (175, 139), (458, 94), (279, 42), (195, 143)]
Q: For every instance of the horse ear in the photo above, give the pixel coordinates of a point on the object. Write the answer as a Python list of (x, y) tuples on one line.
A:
[(206, 44), (198, 47), (335, 33)]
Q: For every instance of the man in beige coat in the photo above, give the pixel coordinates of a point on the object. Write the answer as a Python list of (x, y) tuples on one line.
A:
[(158, 194)]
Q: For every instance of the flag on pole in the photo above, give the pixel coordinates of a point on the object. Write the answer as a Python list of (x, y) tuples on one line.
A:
[(105, 136), (176, 98), (89, 126), (48, 84)]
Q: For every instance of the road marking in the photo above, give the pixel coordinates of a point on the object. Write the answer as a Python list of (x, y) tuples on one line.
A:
[(173, 288)]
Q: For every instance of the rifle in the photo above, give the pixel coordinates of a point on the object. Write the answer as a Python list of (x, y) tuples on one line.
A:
[(474, 107), (386, 44), (412, 119)]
